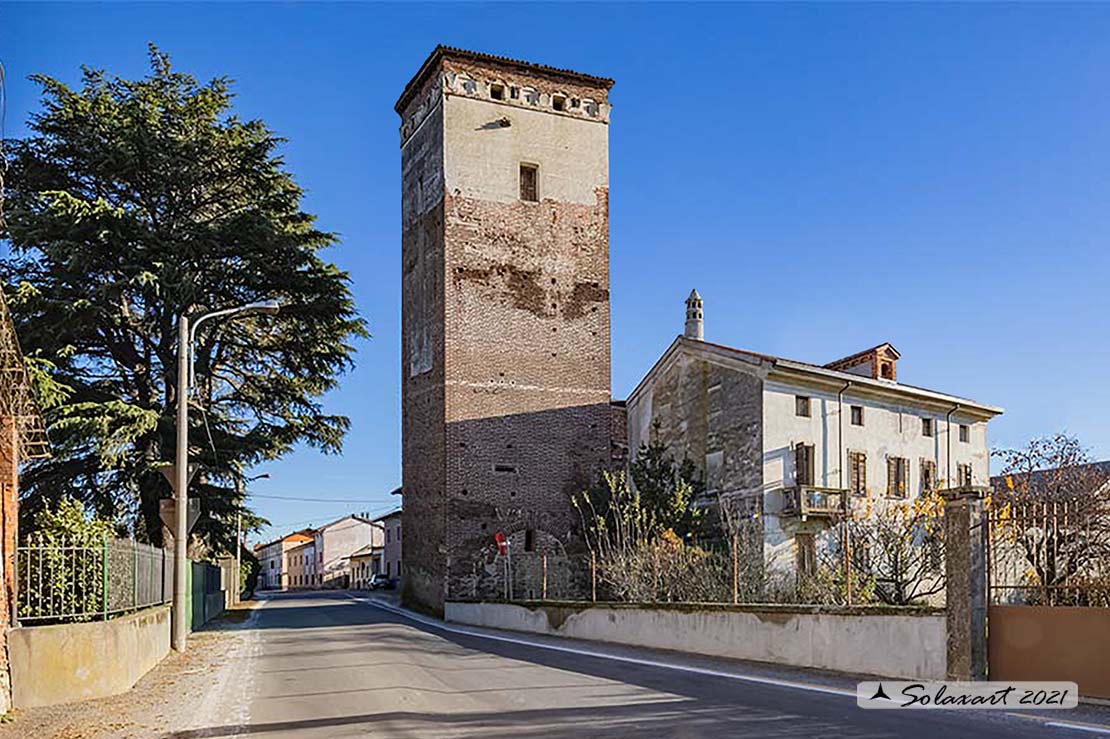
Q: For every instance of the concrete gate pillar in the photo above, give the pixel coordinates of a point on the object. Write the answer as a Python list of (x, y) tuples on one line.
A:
[(965, 544)]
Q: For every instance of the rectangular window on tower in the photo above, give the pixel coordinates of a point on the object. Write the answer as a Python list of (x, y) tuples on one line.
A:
[(529, 183)]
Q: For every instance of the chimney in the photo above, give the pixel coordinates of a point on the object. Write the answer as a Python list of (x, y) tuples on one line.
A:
[(695, 326)]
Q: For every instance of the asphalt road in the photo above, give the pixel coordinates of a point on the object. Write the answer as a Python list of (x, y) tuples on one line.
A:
[(328, 665)]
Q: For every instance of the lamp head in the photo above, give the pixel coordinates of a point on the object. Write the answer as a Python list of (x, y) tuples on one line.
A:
[(267, 307)]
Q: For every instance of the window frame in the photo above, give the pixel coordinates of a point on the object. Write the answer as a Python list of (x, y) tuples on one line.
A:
[(805, 474), (534, 169), (854, 410), (805, 553), (898, 485), (928, 427), (928, 474), (965, 433), (803, 406), (961, 468)]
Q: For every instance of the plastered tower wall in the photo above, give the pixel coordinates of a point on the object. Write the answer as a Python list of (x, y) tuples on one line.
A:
[(505, 319)]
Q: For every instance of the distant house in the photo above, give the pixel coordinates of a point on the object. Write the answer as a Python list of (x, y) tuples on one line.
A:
[(365, 563), (391, 555), (794, 444), (301, 564), (335, 542), (273, 559)]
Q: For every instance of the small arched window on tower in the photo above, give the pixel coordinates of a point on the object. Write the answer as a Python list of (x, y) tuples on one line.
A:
[(559, 102), (590, 107), (531, 96), (497, 91)]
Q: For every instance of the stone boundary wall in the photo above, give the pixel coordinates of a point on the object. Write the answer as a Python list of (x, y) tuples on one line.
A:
[(892, 642), (73, 662)]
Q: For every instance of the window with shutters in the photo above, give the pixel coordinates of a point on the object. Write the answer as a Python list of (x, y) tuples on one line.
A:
[(803, 464), (963, 475), (529, 183), (857, 415), (897, 476), (928, 476), (806, 553), (801, 405), (857, 473)]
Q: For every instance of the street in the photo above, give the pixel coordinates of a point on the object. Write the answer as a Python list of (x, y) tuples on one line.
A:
[(330, 664)]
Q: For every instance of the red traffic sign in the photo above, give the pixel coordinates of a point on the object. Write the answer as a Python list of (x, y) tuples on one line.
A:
[(501, 544)]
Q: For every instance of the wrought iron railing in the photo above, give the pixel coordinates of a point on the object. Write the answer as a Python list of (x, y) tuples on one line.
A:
[(61, 581)]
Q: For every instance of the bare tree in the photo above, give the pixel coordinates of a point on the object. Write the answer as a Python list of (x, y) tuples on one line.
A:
[(898, 548), (1052, 503)]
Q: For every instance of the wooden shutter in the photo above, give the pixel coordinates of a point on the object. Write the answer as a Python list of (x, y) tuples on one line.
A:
[(803, 464), (891, 476), (857, 475)]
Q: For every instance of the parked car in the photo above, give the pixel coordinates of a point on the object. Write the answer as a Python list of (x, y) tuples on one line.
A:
[(380, 581)]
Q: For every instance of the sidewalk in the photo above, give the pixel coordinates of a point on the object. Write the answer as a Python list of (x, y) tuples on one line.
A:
[(172, 696)]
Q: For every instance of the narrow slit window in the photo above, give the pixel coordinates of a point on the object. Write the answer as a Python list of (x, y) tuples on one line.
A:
[(926, 427), (965, 433), (529, 183)]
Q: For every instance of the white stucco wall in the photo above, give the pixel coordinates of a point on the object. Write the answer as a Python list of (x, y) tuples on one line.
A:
[(482, 159), (336, 542), (885, 644), (891, 428)]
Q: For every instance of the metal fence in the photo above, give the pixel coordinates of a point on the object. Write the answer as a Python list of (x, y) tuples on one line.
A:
[(62, 581), (1050, 552)]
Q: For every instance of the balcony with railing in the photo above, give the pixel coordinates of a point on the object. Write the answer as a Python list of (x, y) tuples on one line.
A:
[(810, 500)]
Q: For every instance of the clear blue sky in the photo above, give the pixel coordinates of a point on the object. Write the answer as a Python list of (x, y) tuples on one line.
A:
[(828, 176)]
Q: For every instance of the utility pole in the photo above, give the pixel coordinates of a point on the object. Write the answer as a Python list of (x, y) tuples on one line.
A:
[(241, 496), (181, 486), (185, 335), (238, 537)]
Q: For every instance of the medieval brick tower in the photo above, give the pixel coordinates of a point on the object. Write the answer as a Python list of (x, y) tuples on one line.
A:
[(505, 313)]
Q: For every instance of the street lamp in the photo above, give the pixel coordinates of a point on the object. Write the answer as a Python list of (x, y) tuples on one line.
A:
[(240, 492), (185, 337)]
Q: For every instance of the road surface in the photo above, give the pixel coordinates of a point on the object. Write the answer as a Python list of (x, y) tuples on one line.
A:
[(332, 665)]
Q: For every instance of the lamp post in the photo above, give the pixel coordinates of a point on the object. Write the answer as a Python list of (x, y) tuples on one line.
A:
[(240, 492), (185, 336)]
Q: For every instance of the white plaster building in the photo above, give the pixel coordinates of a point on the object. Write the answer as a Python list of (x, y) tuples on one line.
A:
[(801, 442), (273, 560), (335, 542)]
